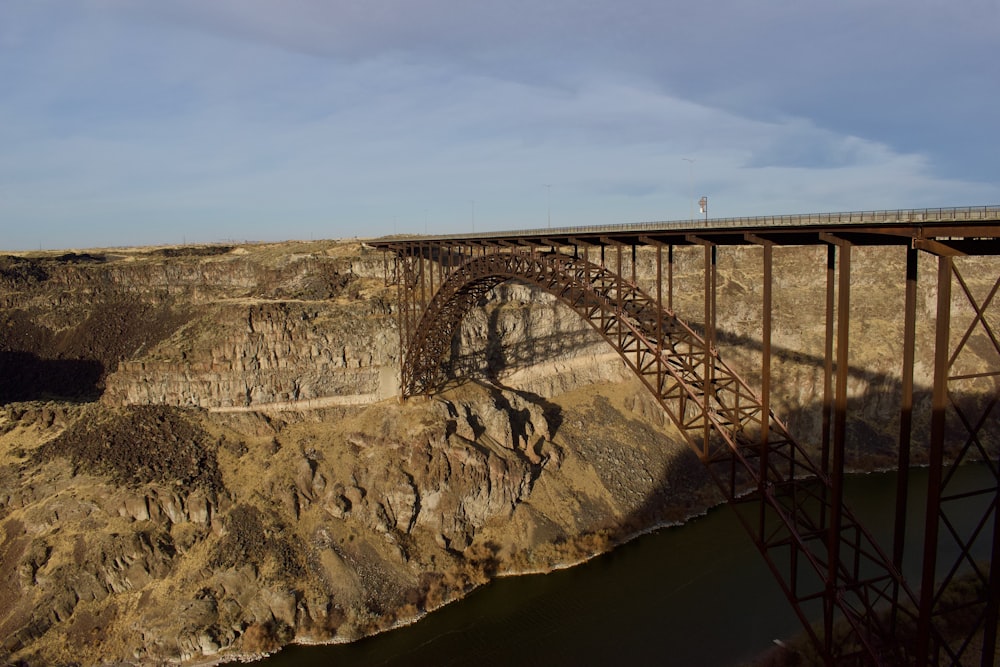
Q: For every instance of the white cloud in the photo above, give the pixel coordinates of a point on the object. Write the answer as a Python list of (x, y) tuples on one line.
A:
[(259, 120)]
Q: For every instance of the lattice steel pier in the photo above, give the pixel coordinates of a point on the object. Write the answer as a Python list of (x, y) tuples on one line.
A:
[(827, 563)]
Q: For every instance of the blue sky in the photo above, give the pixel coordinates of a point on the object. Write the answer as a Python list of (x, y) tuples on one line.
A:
[(126, 122)]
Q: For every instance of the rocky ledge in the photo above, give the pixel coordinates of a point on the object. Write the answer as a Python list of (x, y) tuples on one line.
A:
[(162, 534), (202, 457)]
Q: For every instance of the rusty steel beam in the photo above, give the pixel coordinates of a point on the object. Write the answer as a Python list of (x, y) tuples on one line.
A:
[(839, 435), (710, 275), (673, 362), (798, 525), (709, 376), (431, 268), (905, 423), (958, 587), (659, 317), (831, 269), (935, 466), (670, 278), (765, 363)]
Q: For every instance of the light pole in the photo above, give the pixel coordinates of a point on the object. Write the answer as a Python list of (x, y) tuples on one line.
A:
[(690, 162), (548, 204), (473, 216)]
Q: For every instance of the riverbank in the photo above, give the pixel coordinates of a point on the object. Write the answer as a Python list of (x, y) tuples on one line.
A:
[(697, 594)]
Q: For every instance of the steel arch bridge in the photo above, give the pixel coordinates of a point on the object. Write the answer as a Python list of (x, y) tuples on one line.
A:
[(792, 507)]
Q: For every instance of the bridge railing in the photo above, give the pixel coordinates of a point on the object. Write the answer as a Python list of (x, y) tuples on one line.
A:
[(888, 217)]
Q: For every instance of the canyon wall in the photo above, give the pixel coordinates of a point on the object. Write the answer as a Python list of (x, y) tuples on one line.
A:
[(202, 456)]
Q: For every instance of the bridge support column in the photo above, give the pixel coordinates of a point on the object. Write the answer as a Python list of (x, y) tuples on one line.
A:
[(765, 378), (659, 317), (711, 259), (959, 601), (709, 379), (765, 362), (839, 441), (939, 403), (905, 425), (831, 271), (670, 278)]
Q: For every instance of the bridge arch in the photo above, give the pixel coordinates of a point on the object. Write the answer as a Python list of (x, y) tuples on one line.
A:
[(745, 447), (674, 362)]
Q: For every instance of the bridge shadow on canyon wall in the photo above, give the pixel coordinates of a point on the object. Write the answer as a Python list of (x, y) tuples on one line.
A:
[(872, 416), (25, 376), (872, 424)]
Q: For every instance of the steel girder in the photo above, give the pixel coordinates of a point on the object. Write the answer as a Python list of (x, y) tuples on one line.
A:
[(783, 500), (960, 596)]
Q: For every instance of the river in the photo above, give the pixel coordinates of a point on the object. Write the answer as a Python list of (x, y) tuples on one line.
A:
[(697, 594)]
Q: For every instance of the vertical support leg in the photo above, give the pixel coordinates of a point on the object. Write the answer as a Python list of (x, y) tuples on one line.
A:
[(423, 277), (905, 423), (939, 403), (765, 391), (634, 264), (618, 281), (993, 600), (839, 440), (710, 295), (831, 264), (659, 320), (670, 278), (431, 266), (708, 377), (437, 257), (765, 363), (638, 350), (401, 324), (406, 276), (406, 267)]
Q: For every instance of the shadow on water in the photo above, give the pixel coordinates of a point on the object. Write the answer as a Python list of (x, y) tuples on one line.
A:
[(25, 376)]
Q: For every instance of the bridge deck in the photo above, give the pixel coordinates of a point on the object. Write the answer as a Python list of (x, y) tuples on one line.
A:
[(952, 226)]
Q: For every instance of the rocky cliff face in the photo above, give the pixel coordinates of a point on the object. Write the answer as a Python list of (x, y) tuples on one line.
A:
[(201, 456), (162, 534)]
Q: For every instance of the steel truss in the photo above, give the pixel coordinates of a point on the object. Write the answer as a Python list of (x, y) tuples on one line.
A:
[(960, 596), (785, 501), (793, 508)]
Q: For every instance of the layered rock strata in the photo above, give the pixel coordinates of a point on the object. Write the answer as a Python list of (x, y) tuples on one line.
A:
[(201, 455)]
